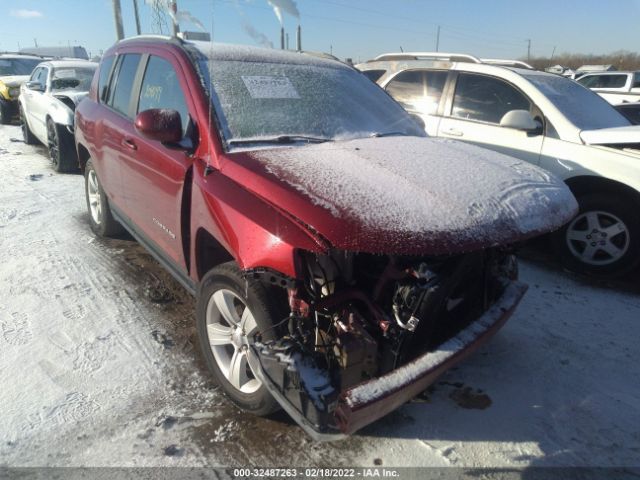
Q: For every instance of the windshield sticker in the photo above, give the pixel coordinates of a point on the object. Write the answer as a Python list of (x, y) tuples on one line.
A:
[(264, 86), (65, 74)]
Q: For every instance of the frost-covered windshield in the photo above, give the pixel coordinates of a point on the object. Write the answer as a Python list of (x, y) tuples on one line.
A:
[(582, 107), (267, 102), (17, 66), (72, 78)]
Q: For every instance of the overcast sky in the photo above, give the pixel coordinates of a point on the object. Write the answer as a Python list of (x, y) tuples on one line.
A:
[(359, 29)]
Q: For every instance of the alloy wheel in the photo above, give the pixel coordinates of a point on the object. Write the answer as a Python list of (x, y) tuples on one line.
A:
[(598, 238), (93, 194), (230, 325), (54, 144)]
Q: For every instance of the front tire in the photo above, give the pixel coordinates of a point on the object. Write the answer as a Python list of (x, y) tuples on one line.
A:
[(62, 151), (230, 310), (102, 222), (603, 239)]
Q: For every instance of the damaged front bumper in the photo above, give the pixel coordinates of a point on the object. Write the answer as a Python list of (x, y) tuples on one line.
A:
[(366, 402)]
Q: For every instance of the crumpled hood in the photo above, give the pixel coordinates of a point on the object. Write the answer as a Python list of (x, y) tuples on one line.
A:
[(612, 136), (75, 96), (407, 195), (14, 80)]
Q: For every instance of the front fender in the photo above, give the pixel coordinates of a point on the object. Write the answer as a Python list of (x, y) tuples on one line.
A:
[(253, 232), (60, 113)]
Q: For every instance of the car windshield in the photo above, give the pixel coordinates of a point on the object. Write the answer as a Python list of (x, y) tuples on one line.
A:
[(582, 107), (262, 102), (72, 78), (17, 66)]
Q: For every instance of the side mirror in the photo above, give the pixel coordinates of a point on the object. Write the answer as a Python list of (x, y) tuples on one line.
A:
[(163, 125), (35, 86), (519, 120)]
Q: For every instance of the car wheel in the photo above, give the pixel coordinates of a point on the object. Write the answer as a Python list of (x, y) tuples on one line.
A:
[(28, 137), (603, 239), (61, 148), (102, 222), (230, 311)]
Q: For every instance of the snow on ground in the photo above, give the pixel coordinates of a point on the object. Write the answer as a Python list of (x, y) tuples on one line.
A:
[(99, 364)]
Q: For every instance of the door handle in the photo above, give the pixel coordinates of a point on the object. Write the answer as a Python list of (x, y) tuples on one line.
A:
[(127, 142), (453, 132)]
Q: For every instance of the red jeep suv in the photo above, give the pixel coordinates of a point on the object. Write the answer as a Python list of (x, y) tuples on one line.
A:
[(341, 261)]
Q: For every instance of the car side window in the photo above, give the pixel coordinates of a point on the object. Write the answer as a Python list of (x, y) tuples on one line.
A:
[(406, 88), (161, 89), (121, 97), (418, 90), (35, 74), (103, 79), (486, 99), (40, 76), (604, 81), (373, 75), (636, 81)]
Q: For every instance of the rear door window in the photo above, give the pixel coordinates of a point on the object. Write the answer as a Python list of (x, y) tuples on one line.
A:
[(161, 89), (103, 79), (418, 90), (121, 97), (486, 99)]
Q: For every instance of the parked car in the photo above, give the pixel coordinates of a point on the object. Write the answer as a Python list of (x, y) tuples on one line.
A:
[(631, 111), (14, 70), (47, 104), (545, 119), (338, 262), (614, 87)]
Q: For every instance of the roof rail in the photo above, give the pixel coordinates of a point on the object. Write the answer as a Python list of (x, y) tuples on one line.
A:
[(507, 63), (452, 57), (150, 37)]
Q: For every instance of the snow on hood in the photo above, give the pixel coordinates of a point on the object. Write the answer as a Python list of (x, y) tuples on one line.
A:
[(420, 195), (612, 136), (14, 80)]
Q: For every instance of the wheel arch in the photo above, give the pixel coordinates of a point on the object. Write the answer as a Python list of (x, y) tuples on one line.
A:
[(585, 184), (83, 156), (209, 253)]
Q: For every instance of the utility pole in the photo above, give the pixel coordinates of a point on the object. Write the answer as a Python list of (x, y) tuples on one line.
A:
[(528, 49), (174, 9), (438, 39), (553, 53), (135, 13), (117, 16)]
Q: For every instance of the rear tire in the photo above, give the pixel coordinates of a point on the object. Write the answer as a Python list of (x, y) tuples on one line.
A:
[(603, 239), (102, 222), (230, 309), (28, 136), (61, 146)]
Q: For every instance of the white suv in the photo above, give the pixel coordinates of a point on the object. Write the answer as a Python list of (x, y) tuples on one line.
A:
[(546, 119)]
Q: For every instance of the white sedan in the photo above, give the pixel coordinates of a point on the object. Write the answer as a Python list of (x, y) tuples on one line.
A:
[(47, 103)]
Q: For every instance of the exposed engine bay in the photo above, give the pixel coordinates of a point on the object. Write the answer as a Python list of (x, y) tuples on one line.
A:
[(357, 317)]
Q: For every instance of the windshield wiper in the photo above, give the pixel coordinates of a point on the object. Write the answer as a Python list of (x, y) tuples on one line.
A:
[(280, 139), (387, 134)]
